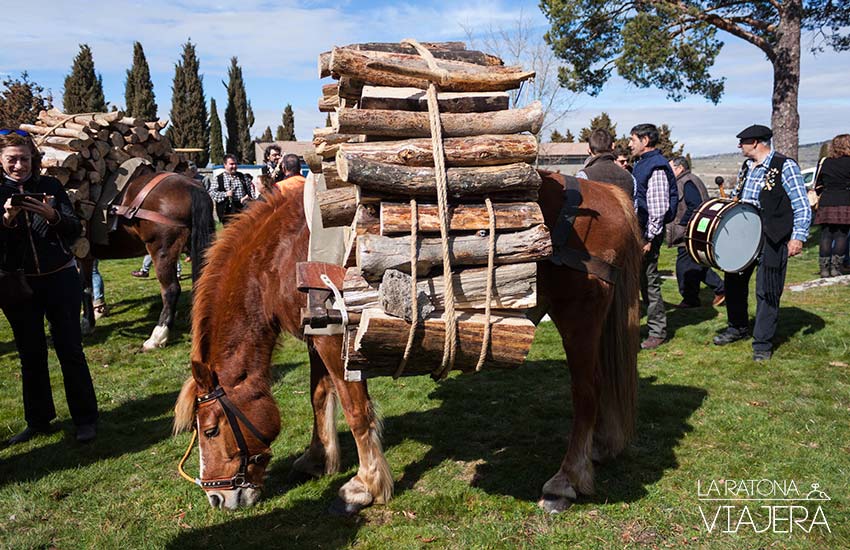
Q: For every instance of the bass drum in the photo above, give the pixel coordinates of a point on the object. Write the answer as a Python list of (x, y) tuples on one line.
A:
[(725, 234)]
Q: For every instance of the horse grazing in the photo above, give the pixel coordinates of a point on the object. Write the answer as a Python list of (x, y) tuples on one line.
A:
[(247, 295), (182, 212)]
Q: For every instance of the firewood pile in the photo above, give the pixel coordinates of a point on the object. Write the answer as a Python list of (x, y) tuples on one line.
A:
[(378, 154), (82, 151)]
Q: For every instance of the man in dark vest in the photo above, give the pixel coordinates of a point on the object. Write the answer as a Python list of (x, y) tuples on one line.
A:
[(689, 274), (230, 190), (602, 165), (656, 200), (772, 183)]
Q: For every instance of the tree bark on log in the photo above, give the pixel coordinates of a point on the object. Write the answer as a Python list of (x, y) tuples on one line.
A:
[(484, 150), (57, 158), (412, 71), (441, 50), (395, 217), (59, 132), (414, 99), (376, 254), (380, 340), (332, 179), (338, 206), (462, 182), (407, 124)]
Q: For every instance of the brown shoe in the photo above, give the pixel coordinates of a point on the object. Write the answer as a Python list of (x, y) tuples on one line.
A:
[(140, 273), (652, 342), (719, 300)]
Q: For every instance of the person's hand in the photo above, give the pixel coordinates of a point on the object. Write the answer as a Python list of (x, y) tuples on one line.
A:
[(794, 247), (245, 199), (230, 193), (41, 208), (646, 248)]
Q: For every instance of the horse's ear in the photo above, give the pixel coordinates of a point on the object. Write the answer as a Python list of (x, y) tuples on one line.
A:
[(203, 376)]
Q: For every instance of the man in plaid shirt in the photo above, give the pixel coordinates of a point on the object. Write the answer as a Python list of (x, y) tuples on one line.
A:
[(230, 190), (772, 183)]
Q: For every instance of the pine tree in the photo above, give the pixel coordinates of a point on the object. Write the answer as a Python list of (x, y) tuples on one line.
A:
[(267, 135), (138, 88), (279, 133), (602, 121), (216, 146), (21, 100), (188, 107), (288, 119), (569, 138), (236, 115), (667, 146), (556, 137), (83, 88)]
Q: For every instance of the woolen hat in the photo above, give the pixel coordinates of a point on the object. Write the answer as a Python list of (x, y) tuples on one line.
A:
[(756, 131)]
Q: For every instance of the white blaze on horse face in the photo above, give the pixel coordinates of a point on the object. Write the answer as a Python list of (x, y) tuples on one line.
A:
[(200, 455)]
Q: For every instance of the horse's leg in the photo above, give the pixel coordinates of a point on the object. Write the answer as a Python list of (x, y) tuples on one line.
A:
[(580, 323), (165, 261), (87, 321), (322, 456), (373, 482)]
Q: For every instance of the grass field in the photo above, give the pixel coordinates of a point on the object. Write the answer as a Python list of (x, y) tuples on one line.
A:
[(469, 455)]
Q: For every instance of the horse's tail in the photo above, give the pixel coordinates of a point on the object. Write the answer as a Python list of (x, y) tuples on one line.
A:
[(203, 228), (620, 344)]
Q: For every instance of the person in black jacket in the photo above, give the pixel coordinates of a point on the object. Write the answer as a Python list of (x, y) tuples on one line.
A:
[(833, 215), (34, 237)]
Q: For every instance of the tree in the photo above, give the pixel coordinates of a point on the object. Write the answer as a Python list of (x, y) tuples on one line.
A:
[(522, 44), (236, 115), (189, 127), (557, 137), (667, 146), (139, 98), (267, 135), (21, 100), (673, 44), (288, 127), (328, 121), (601, 122), (83, 88), (216, 143), (569, 138)]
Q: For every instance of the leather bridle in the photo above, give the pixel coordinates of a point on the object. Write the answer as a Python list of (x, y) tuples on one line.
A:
[(234, 416)]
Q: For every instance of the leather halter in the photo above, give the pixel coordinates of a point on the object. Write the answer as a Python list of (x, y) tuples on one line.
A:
[(135, 210), (234, 415)]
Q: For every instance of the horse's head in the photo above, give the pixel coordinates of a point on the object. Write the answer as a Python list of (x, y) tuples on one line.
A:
[(235, 427)]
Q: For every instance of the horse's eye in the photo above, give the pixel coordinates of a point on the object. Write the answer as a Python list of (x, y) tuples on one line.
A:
[(211, 432)]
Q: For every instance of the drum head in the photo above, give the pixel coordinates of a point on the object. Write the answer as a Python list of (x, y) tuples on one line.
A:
[(738, 238)]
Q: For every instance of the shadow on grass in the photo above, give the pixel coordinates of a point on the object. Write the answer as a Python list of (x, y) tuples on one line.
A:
[(132, 427), (793, 320), (514, 426), (143, 320)]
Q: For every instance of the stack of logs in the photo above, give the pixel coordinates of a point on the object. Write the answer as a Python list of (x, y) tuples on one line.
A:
[(82, 151), (378, 154)]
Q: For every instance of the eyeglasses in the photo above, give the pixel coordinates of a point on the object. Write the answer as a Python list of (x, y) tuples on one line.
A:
[(6, 132)]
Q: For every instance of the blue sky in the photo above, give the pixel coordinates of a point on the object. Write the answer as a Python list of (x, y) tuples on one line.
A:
[(277, 44)]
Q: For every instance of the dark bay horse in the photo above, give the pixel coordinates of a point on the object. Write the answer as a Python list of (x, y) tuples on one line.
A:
[(247, 296), (187, 205)]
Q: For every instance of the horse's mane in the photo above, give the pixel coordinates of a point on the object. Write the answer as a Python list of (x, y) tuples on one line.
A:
[(258, 228)]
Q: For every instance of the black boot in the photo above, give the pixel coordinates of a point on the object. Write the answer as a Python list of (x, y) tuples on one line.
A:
[(825, 263)]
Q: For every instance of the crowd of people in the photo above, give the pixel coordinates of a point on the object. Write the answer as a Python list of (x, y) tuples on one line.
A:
[(38, 222)]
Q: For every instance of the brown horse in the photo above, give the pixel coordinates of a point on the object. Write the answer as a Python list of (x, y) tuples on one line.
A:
[(248, 294), (187, 206)]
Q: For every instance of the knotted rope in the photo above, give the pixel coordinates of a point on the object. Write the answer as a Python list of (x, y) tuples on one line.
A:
[(414, 322)]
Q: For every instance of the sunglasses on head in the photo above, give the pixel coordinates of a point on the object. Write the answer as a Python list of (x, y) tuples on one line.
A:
[(6, 132)]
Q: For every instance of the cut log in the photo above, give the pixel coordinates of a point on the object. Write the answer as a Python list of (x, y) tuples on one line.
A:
[(438, 49), (350, 88), (314, 161), (380, 341), (338, 206), (395, 217), (462, 182), (357, 293), (486, 150), (59, 132), (376, 254), (58, 158), (61, 174), (409, 124), (403, 70), (328, 104), (414, 99), (332, 179), (66, 143), (117, 139)]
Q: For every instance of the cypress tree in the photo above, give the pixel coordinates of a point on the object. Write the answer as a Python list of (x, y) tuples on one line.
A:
[(603, 122), (21, 100), (216, 147), (83, 89), (188, 107), (328, 122), (569, 138), (267, 135), (279, 133), (237, 115), (138, 88), (288, 119)]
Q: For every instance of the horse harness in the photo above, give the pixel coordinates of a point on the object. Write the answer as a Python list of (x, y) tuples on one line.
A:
[(234, 415), (135, 210), (579, 260)]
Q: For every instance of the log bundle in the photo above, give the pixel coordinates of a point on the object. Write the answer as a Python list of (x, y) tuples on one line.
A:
[(377, 155), (82, 151)]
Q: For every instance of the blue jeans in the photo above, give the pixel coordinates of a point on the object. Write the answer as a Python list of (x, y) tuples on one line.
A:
[(96, 284)]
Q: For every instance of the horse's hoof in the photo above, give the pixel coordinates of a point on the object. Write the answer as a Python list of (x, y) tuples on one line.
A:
[(341, 508), (554, 504)]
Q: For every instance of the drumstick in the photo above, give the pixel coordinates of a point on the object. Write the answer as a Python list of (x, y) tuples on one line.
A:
[(719, 182)]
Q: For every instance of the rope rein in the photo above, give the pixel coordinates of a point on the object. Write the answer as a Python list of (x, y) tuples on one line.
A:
[(491, 260)]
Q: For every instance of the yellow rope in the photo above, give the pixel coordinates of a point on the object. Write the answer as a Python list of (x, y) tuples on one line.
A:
[(183, 460), (491, 260), (449, 345), (414, 235)]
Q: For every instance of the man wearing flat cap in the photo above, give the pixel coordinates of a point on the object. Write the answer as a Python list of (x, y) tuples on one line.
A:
[(772, 182)]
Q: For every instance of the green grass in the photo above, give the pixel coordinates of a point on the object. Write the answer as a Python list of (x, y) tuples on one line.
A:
[(469, 455)]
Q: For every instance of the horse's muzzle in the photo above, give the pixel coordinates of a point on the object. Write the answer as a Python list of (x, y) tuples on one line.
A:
[(232, 499)]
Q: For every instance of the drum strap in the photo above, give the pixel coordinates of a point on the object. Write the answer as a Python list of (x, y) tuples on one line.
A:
[(578, 260)]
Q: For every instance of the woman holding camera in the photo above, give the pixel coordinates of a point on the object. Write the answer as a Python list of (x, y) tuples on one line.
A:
[(37, 224)]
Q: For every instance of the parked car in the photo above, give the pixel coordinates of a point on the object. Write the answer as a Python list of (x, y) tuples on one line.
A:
[(809, 177)]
